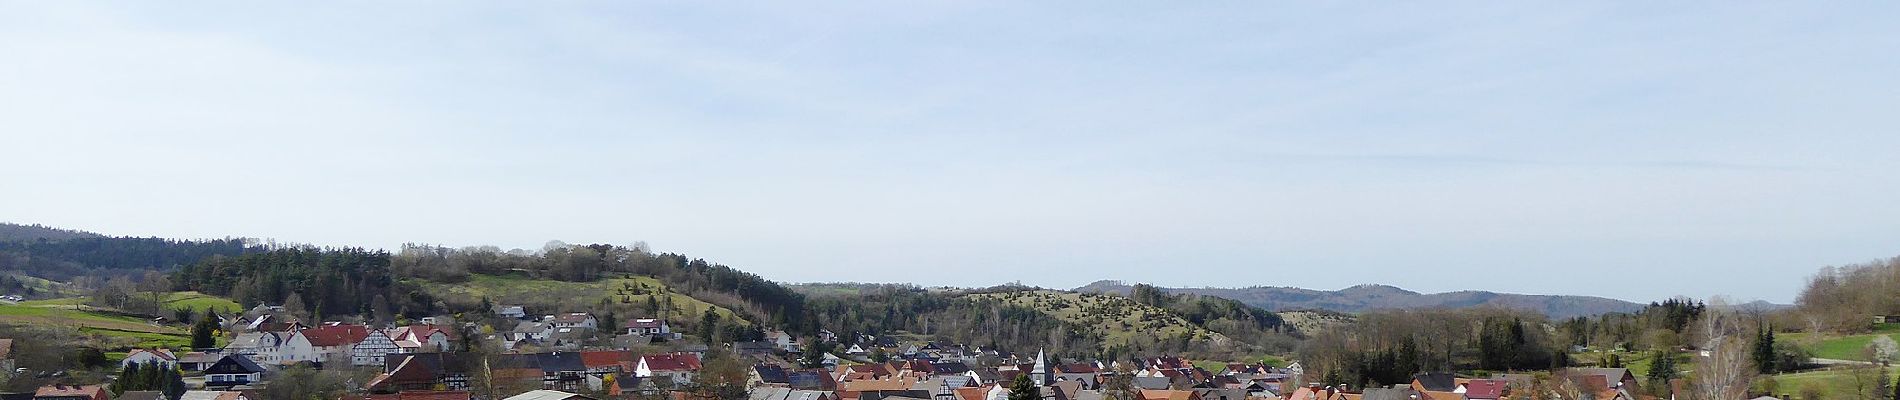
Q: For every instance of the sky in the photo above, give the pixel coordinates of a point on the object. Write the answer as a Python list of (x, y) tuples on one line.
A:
[(1634, 150)]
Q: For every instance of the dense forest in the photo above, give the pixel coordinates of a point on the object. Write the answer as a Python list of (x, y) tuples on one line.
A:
[(1388, 346), (317, 281), (62, 254)]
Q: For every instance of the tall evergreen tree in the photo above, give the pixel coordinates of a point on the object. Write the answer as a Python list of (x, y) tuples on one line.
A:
[(1764, 352), (709, 326), (1023, 389)]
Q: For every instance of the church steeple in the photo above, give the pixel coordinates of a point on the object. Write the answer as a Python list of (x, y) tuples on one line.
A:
[(1041, 373)]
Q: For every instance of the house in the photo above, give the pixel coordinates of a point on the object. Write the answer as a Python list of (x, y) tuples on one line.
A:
[(334, 343), (753, 348), (649, 327), (63, 392), (515, 312), (576, 320), (1483, 389), (373, 348), (1434, 382), (1607, 378), (780, 393), (1086, 373), (782, 340), (198, 360), (211, 395), (413, 395), (1151, 394), (232, 370), (530, 330), (427, 371), (548, 395), (259, 346), (767, 374), (296, 349), (141, 395), (601, 363), (812, 379), (163, 357), (1397, 393), (678, 366), (423, 338), (562, 370)]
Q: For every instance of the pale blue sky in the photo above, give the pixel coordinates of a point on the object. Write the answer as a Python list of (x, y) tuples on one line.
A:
[(1632, 150)]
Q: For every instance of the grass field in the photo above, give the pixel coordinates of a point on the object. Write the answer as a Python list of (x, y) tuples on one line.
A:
[(116, 331), (198, 302), (1836, 384), (1848, 347), (515, 290)]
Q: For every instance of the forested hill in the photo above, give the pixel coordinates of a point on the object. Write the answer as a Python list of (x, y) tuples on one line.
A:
[(15, 233), (1373, 297), (61, 254)]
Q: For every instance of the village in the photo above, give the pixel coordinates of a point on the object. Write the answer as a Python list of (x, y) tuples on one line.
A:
[(570, 355)]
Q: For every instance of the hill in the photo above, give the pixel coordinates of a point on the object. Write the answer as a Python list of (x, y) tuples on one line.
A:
[(10, 232), (110, 329), (628, 297), (1372, 297), (61, 254), (1117, 320)]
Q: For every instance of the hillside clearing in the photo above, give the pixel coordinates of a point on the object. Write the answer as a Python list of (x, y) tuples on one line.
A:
[(551, 296), (1119, 320)]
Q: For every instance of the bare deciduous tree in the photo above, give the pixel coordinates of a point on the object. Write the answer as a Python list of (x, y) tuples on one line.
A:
[(1726, 372)]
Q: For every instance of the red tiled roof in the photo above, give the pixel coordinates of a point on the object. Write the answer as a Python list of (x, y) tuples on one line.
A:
[(975, 393), (414, 395), (335, 335), (421, 332), (163, 354), (672, 362), (574, 318), (608, 358), (1484, 389), (434, 395), (93, 391)]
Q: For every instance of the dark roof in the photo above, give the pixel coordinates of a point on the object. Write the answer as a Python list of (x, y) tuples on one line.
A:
[(1436, 381), (558, 362), (1077, 368), (435, 363), (816, 379), (141, 395), (234, 364), (1389, 394), (949, 368), (770, 373)]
